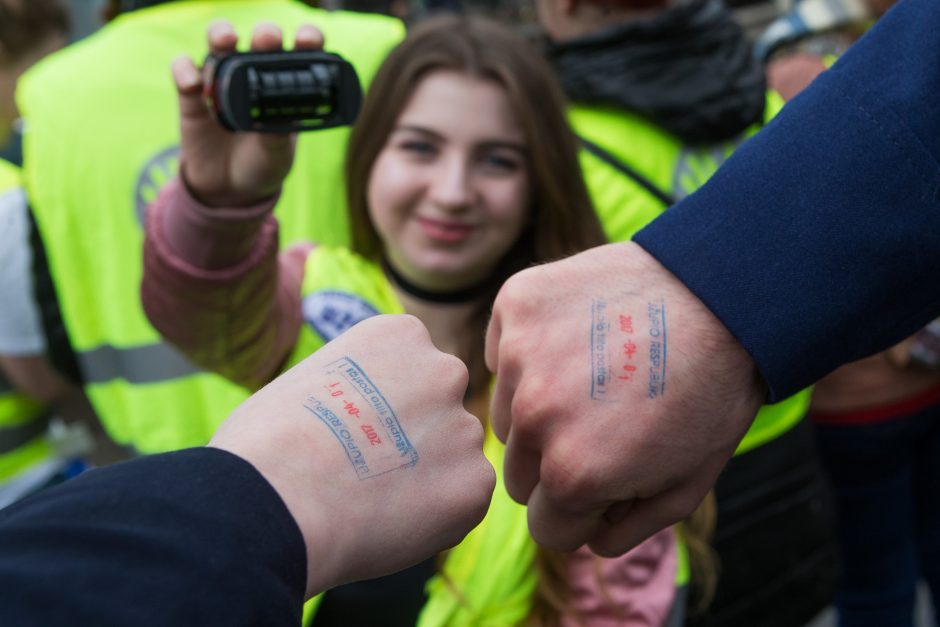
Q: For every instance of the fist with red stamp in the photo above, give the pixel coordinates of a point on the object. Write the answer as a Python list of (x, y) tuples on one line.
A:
[(625, 347), (362, 420)]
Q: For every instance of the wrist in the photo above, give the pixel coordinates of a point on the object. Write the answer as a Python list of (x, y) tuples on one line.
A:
[(711, 334), (230, 200), (284, 456)]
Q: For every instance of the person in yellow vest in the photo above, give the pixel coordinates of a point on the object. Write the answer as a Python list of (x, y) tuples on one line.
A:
[(46, 424), (32, 391), (662, 93), (461, 170), (101, 138)]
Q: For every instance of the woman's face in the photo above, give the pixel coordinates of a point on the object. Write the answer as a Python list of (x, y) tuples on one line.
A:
[(449, 192)]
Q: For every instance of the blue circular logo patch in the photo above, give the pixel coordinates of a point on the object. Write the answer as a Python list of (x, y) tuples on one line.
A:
[(331, 313), (157, 172)]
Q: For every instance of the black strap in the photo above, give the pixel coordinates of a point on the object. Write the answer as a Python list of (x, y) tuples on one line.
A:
[(58, 347), (663, 197)]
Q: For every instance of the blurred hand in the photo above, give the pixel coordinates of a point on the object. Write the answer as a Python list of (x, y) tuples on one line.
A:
[(619, 395), (368, 443), (224, 168)]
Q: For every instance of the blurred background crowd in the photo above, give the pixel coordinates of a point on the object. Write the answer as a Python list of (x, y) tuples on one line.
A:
[(829, 513)]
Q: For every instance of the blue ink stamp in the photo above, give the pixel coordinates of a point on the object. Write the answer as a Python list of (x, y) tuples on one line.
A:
[(362, 421), (600, 358), (657, 370)]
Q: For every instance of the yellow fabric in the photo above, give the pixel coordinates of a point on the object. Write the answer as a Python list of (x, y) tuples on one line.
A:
[(18, 409), (683, 568), (488, 579), (624, 207), (9, 176), (18, 461), (101, 140), (338, 270)]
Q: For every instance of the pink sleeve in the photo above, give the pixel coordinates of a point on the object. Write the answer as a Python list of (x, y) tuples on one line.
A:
[(635, 589), (215, 287)]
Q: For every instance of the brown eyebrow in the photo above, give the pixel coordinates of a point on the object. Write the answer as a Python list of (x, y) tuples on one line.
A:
[(438, 137)]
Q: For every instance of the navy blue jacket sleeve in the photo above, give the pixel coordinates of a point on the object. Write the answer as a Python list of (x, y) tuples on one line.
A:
[(818, 242), (194, 537)]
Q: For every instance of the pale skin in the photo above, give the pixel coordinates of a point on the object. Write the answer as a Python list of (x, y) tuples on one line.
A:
[(612, 472), (357, 528)]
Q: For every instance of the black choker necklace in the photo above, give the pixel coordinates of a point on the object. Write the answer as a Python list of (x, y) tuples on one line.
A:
[(465, 295)]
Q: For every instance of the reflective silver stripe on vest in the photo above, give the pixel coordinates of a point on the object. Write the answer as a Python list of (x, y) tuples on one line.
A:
[(12, 438), (150, 363)]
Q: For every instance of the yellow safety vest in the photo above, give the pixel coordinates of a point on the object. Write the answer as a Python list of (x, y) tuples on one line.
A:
[(672, 171), (101, 139), (23, 421)]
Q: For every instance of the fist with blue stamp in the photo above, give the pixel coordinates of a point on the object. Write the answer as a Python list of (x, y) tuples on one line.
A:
[(362, 420)]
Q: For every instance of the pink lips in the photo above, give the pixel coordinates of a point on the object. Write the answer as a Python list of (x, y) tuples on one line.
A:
[(448, 232)]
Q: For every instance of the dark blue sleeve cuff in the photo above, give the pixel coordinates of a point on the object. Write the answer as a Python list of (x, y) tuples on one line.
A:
[(194, 537), (818, 242)]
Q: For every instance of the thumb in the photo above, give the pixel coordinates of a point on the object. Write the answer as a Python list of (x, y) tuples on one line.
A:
[(636, 523), (561, 528), (188, 82)]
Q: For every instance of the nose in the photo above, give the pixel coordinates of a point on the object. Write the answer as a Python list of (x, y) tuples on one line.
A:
[(450, 188)]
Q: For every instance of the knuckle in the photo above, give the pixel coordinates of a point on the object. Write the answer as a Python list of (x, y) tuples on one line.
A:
[(531, 407), (565, 478), (526, 405), (681, 508), (413, 326), (400, 327), (512, 296), (453, 373), (472, 430), (610, 547)]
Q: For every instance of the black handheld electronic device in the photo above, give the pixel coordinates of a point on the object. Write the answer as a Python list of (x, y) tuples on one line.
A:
[(281, 92)]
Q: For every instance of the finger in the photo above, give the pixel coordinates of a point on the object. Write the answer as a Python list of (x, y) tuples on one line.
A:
[(453, 375), (501, 403), (188, 82), (560, 528), (186, 76), (520, 469), (308, 37), (221, 37), (493, 333), (266, 37), (644, 518)]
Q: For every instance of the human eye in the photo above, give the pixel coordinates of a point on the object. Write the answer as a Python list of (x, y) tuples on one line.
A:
[(500, 163), (417, 147)]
